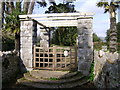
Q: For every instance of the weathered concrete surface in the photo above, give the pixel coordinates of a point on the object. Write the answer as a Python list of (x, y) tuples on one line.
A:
[(106, 69), (28, 36), (85, 45)]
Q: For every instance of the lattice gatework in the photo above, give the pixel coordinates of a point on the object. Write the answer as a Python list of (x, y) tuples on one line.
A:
[(54, 58)]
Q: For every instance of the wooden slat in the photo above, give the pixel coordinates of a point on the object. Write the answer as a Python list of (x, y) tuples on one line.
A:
[(63, 48), (63, 62), (45, 57), (44, 62), (42, 53), (34, 58), (43, 48)]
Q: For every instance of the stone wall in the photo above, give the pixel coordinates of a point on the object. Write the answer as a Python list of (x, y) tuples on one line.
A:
[(10, 66), (85, 45), (106, 69)]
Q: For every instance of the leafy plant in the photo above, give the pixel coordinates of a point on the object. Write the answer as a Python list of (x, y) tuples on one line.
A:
[(91, 76), (53, 78), (7, 41)]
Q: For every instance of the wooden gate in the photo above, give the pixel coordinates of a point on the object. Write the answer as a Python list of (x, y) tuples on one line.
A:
[(55, 58)]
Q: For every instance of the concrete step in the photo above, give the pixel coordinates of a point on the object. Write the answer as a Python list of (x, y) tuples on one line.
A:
[(35, 84), (51, 85), (45, 74), (73, 78), (64, 79)]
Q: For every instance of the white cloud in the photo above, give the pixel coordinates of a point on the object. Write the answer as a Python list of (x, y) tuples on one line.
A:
[(89, 6)]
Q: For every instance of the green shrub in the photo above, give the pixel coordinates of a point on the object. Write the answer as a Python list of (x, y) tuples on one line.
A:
[(7, 44), (8, 41), (53, 78)]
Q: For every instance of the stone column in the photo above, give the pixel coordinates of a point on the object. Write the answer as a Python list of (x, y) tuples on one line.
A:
[(27, 40), (85, 44)]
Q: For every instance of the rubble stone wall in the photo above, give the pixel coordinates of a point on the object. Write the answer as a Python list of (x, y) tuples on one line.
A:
[(10, 66), (106, 69)]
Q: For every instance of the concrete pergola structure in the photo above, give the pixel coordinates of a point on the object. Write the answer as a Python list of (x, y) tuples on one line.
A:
[(83, 22)]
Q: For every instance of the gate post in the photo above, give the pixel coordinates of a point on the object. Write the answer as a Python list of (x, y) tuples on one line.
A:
[(85, 44), (28, 36)]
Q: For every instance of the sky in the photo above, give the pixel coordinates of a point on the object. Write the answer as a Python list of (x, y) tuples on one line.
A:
[(100, 19)]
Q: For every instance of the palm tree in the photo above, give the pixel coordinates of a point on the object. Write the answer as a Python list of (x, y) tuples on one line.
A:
[(111, 9)]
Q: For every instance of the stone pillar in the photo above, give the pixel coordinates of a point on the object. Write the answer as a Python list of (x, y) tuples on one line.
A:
[(85, 44), (27, 40)]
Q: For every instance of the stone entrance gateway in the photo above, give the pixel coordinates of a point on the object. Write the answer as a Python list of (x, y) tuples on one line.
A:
[(83, 22)]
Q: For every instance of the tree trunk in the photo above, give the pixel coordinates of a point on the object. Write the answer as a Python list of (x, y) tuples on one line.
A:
[(1, 15), (17, 34), (0, 26), (3, 11), (26, 6), (17, 42), (11, 6), (31, 7), (113, 33)]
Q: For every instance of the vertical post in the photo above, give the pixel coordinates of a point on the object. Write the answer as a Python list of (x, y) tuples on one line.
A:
[(54, 57), (85, 44), (34, 61), (75, 55), (71, 54)]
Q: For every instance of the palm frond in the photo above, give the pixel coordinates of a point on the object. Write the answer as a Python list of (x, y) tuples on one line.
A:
[(106, 10), (102, 4)]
